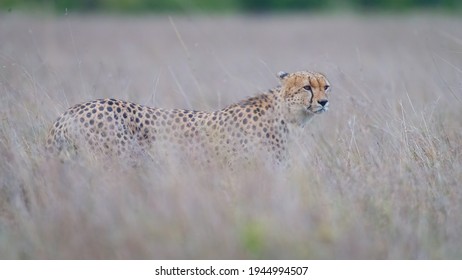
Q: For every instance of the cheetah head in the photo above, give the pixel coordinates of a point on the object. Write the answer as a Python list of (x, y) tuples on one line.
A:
[(304, 94)]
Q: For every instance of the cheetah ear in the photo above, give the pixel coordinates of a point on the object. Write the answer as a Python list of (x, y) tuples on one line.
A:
[(282, 75)]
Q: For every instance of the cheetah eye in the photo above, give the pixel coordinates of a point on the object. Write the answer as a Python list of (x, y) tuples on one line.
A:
[(326, 87), (308, 88)]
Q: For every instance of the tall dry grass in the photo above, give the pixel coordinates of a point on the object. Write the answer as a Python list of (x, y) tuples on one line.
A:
[(378, 176)]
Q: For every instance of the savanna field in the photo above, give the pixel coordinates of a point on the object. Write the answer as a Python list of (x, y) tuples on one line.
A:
[(379, 176)]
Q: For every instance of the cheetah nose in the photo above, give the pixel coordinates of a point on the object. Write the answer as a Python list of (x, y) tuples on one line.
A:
[(323, 102)]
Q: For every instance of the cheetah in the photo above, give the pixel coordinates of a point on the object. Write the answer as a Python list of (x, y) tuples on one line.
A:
[(258, 125)]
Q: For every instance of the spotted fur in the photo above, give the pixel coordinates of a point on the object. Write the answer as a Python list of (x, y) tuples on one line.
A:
[(259, 125)]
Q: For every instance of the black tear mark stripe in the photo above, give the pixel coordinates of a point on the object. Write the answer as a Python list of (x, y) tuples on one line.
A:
[(311, 91)]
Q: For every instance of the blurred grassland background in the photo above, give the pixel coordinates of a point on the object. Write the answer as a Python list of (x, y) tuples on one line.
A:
[(188, 6), (377, 177)]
